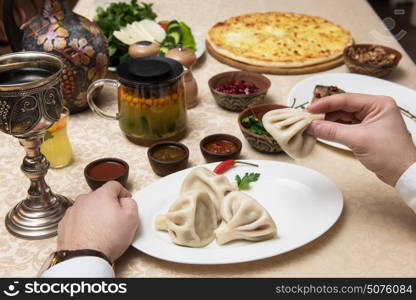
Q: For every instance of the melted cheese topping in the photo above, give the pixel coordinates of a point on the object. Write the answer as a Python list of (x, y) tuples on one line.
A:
[(279, 39)]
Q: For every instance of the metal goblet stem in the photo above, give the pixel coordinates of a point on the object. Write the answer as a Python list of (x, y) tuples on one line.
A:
[(38, 215), (30, 102)]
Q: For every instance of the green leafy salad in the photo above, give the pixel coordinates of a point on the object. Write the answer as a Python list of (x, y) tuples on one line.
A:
[(126, 23)]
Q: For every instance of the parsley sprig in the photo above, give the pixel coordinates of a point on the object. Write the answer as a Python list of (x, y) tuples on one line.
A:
[(244, 183), (255, 125)]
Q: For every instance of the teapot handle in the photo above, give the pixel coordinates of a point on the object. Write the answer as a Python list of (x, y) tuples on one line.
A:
[(13, 32), (91, 93)]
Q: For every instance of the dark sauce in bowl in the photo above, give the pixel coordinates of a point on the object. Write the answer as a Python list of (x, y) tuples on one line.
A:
[(168, 153), (168, 157)]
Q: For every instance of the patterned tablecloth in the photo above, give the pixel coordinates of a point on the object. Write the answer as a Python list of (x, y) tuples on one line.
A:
[(375, 235)]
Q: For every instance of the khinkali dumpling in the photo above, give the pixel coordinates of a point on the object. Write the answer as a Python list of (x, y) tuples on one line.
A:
[(217, 186), (191, 220), (243, 218), (287, 126)]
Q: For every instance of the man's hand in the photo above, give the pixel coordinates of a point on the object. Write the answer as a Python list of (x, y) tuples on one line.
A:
[(105, 220), (372, 126)]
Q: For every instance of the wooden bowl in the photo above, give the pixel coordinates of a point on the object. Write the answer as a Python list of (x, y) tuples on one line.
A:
[(212, 156), (369, 68), (95, 182), (163, 168), (259, 142), (239, 102)]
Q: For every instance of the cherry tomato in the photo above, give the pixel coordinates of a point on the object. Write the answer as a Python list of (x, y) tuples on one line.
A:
[(164, 26)]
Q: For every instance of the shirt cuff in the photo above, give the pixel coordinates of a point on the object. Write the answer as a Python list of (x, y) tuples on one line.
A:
[(84, 266), (406, 186)]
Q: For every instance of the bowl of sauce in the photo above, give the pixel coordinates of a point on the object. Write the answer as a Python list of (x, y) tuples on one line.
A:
[(219, 147), (100, 171), (168, 157)]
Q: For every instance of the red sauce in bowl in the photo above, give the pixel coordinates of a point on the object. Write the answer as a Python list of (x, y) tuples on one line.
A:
[(221, 147), (106, 170)]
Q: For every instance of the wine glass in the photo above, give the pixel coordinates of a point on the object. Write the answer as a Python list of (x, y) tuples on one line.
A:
[(30, 103)]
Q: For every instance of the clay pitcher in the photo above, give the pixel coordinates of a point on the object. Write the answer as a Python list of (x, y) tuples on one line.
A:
[(74, 38)]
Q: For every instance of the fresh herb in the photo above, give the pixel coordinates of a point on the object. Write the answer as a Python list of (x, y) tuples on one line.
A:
[(255, 125), (244, 183), (47, 136), (116, 16), (302, 106)]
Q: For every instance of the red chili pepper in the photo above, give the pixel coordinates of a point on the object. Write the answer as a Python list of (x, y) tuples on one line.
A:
[(227, 164)]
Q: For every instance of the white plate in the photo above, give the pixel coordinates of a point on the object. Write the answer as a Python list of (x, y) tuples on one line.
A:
[(200, 45), (355, 83), (303, 203)]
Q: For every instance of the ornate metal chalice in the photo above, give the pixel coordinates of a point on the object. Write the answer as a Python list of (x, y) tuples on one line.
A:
[(30, 103)]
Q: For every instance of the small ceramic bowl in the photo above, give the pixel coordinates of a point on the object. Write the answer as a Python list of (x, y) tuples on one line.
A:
[(212, 156), (100, 171), (259, 142), (369, 68), (162, 167), (239, 102)]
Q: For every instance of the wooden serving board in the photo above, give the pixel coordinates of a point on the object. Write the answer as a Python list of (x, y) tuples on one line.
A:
[(275, 70)]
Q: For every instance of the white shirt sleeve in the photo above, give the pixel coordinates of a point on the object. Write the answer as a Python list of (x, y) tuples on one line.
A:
[(406, 186), (83, 266)]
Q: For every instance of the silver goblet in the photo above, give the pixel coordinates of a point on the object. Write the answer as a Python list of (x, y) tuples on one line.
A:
[(30, 103)]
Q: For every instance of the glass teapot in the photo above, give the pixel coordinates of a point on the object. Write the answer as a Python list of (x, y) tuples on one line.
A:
[(151, 100)]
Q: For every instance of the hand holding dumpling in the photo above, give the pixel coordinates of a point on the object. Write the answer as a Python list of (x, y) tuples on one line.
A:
[(377, 134), (287, 126)]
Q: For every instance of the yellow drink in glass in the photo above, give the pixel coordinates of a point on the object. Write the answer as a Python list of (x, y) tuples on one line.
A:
[(56, 146)]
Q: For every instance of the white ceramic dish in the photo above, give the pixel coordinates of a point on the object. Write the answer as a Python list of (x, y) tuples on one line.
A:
[(200, 46), (356, 83), (303, 203)]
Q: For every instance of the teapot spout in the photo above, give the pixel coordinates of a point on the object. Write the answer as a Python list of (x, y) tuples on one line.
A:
[(13, 32)]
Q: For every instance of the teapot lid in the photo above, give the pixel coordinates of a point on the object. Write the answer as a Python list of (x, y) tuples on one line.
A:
[(149, 70)]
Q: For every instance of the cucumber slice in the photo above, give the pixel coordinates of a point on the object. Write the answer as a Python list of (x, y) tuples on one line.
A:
[(173, 26), (176, 37)]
